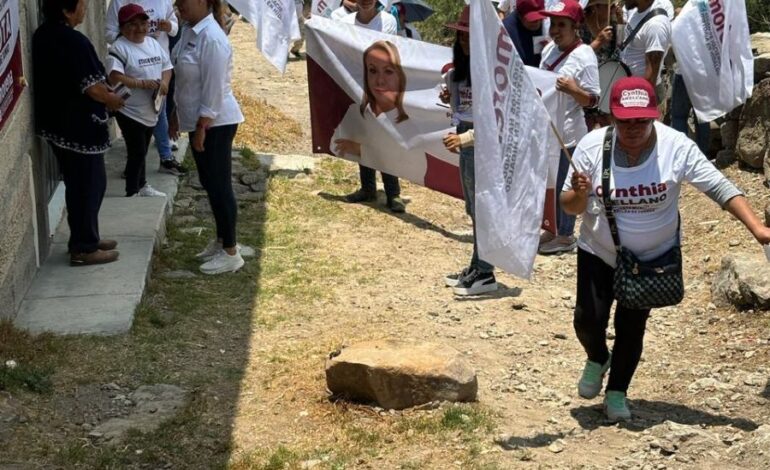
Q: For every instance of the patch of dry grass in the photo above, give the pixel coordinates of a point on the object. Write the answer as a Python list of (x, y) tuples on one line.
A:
[(265, 127)]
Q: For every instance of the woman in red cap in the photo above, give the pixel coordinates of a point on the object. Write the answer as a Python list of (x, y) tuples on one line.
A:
[(578, 71), (647, 163), (479, 276)]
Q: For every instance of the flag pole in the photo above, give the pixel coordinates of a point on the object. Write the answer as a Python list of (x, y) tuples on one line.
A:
[(563, 147)]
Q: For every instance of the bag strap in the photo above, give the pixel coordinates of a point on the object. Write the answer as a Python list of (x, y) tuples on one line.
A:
[(606, 173), (647, 17), (118, 57), (563, 55)]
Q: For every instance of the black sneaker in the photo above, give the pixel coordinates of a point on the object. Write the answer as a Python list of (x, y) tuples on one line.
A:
[(172, 167), (451, 280), (476, 283), (361, 196)]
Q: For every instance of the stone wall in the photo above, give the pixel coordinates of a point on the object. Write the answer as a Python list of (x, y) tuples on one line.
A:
[(18, 240)]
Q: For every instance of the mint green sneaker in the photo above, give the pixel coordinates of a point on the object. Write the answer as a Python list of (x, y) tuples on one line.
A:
[(590, 383), (615, 406)]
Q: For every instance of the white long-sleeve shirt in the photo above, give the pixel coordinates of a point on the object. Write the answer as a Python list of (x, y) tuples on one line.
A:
[(203, 64), (156, 9)]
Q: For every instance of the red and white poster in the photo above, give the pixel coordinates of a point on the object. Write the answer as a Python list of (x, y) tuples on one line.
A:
[(10, 59), (396, 126)]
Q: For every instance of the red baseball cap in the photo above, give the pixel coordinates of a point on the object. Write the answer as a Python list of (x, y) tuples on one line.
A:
[(464, 22), (565, 9), (129, 12), (530, 10), (633, 98)]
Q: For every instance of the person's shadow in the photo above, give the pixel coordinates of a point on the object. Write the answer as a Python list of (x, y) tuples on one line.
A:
[(647, 413), (407, 217)]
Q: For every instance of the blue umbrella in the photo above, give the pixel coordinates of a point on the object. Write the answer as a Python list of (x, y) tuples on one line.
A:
[(416, 10)]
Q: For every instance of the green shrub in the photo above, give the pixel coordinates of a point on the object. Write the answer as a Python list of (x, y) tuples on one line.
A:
[(433, 29), (758, 12)]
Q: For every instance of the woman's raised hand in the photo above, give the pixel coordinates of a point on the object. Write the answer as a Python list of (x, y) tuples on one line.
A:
[(344, 147), (452, 142), (581, 183)]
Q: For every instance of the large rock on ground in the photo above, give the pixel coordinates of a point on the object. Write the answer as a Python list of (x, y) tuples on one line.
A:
[(743, 281), (754, 137), (398, 375)]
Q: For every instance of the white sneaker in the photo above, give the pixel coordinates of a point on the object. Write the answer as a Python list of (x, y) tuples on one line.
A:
[(223, 263), (149, 191), (212, 249)]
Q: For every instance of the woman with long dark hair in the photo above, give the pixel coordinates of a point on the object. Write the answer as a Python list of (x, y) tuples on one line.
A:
[(479, 276), (71, 103), (207, 109)]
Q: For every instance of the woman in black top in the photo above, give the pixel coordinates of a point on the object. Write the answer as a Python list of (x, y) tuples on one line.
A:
[(71, 103)]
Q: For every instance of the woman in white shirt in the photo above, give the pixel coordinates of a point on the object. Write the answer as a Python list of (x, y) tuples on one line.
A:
[(648, 163), (207, 109), (578, 71), (141, 64)]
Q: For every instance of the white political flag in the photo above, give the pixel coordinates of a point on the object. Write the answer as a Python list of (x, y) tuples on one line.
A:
[(276, 25), (512, 147), (713, 50), (324, 7)]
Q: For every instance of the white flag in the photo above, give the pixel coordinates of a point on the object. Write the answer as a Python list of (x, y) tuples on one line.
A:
[(324, 7), (512, 135), (713, 50), (276, 25)]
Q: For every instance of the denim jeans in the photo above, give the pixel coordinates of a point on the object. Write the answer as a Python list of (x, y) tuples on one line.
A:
[(680, 111), (565, 223), (468, 179), (161, 135)]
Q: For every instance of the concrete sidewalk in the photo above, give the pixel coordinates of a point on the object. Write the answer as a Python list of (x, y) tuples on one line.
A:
[(102, 299)]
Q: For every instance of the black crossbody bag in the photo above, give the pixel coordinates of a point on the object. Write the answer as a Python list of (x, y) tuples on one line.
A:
[(640, 285)]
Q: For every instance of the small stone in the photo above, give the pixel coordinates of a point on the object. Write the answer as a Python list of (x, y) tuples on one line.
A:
[(755, 380), (247, 251), (560, 336), (735, 242), (518, 305), (714, 403), (87, 426), (483, 335), (556, 447), (307, 464), (543, 343), (111, 386), (520, 388)]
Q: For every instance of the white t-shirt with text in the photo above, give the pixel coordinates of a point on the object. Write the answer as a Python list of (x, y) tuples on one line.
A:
[(645, 197), (581, 64), (654, 36), (145, 61)]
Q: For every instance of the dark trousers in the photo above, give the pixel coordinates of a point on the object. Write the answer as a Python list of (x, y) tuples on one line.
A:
[(85, 181), (137, 137), (369, 182), (215, 173), (565, 223), (592, 314)]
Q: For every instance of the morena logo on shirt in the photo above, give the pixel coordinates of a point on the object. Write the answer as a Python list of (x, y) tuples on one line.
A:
[(636, 98)]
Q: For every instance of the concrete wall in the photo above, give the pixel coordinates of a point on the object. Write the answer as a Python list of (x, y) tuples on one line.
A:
[(18, 220)]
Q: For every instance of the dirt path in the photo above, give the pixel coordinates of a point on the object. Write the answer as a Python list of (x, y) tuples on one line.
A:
[(704, 368)]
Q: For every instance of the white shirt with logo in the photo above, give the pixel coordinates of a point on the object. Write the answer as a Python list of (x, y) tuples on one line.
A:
[(145, 61), (383, 22), (654, 36), (581, 65), (156, 9), (203, 66), (645, 197)]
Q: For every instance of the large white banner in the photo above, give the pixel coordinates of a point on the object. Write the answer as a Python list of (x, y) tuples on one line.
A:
[(713, 50), (513, 144), (276, 24)]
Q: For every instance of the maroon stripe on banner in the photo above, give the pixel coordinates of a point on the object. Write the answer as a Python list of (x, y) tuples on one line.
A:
[(443, 177), (549, 213), (328, 105)]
